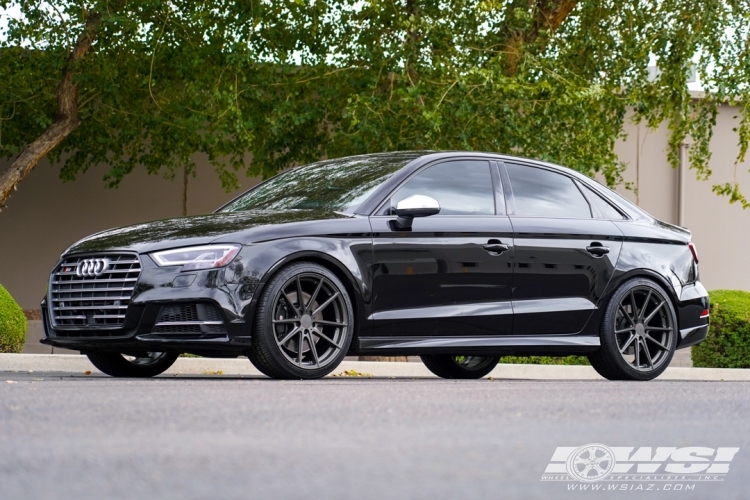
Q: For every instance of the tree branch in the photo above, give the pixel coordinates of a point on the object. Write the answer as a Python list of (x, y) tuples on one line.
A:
[(66, 120), (518, 34)]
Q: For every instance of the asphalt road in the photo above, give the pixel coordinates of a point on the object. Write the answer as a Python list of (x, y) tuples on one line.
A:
[(77, 437)]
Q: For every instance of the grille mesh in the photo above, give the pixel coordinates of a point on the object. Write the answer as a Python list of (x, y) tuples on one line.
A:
[(93, 300)]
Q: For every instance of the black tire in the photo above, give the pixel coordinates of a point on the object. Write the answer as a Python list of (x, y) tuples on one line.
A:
[(147, 365), (460, 367), (640, 321), (290, 342)]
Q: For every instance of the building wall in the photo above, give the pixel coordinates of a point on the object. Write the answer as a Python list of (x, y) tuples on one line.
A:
[(45, 215)]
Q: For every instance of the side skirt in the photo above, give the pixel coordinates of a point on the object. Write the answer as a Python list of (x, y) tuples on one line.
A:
[(531, 345)]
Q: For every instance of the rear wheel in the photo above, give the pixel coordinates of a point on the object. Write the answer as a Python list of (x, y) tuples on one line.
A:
[(146, 364), (304, 323), (460, 367), (638, 333)]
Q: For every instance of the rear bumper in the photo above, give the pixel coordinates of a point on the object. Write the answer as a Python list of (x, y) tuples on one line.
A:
[(692, 323)]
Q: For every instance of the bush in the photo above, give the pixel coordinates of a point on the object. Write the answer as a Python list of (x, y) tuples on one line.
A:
[(12, 324), (728, 342), (545, 360)]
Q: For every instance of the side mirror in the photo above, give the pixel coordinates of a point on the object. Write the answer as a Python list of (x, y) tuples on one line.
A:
[(416, 205)]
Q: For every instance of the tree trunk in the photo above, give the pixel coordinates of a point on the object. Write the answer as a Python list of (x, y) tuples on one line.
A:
[(547, 15), (65, 122)]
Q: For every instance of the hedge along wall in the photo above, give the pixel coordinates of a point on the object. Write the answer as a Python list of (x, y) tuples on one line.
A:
[(13, 324), (728, 342)]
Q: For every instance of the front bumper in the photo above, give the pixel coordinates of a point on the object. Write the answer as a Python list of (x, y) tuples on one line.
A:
[(225, 290)]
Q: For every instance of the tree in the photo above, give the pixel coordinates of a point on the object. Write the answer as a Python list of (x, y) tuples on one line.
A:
[(292, 82)]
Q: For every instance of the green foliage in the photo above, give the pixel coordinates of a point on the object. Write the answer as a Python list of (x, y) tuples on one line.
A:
[(259, 86), (728, 342), (13, 324), (545, 360)]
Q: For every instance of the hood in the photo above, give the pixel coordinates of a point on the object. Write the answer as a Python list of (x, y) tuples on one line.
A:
[(237, 227)]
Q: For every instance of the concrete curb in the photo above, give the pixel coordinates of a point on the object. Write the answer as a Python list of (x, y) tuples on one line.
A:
[(77, 364)]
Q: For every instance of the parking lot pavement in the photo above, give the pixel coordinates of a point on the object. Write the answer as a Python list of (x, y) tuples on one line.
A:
[(67, 436)]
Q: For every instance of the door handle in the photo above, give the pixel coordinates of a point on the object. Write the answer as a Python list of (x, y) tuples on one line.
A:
[(495, 247), (597, 249)]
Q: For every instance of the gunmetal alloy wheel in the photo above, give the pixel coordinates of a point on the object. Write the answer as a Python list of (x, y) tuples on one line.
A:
[(145, 364), (304, 323), (639, 333), (460, 367)]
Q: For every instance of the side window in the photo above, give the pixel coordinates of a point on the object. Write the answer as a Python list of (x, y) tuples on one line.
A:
[(543, 193), (461, 187), (607, 210)]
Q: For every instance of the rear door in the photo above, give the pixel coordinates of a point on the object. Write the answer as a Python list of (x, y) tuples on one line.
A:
[(439, 279), (565, 250)]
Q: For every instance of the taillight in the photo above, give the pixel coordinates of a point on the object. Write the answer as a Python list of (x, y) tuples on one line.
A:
[(694, 251), (705, 313)]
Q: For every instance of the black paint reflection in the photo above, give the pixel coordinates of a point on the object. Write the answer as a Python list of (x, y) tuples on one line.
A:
[(338, 185)]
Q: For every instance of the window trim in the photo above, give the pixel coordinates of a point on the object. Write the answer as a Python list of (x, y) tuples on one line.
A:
[(379, 208), (511, 200), (589, 192)]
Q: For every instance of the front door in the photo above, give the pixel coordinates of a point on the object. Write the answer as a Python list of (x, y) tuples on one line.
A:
[(439, 279), (565, 251)]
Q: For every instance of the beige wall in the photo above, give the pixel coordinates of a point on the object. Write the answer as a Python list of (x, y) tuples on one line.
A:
[(45, 215)]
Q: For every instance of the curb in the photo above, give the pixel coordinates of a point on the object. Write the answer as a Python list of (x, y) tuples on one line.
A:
[(77, 364)]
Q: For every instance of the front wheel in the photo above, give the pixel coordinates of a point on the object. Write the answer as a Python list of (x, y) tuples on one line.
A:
[(460, 367), (304, 323), (147, 364), (638, 333)]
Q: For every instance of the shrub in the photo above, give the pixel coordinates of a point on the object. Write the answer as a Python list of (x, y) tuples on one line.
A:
[(12, 324), (545, 360), (728, 342)]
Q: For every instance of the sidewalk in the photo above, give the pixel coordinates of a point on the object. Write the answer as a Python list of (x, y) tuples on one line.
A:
[(77, 364)]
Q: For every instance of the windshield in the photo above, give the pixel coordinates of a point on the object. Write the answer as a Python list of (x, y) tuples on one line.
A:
[(339, 185)]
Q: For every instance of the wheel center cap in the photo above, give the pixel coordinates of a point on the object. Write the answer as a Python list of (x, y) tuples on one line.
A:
[(306, 321), (640, 330)]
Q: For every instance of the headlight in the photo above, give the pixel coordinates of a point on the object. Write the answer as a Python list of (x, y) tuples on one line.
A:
[(203, 257)]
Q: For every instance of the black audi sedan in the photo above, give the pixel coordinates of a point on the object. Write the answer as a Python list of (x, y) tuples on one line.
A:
[(457, 257)]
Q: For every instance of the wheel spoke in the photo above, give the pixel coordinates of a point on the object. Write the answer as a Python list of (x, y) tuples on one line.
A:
[(300, 298), (284, 321), (300, 347), (645, 305), (290, 303), (627, 315), (312, 348), (627, 344), (638, 355), (629, 329), (658, 329), (653, 313), (633, 307), (328, 323), (662, 346), (648, 354), (326, 338), (325, 304), (315, 293), (288, 336)]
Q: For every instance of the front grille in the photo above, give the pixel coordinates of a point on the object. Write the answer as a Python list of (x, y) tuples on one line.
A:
[(102, 300), (197, 319)]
